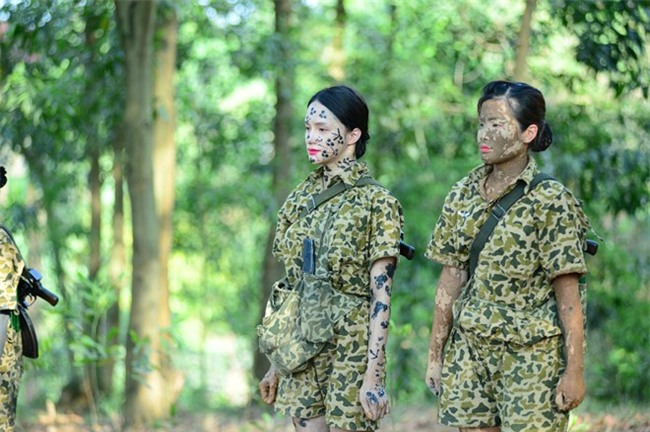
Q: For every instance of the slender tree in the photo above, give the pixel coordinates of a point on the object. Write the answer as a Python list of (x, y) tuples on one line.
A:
[(524, 41), (164, 158), (144, 387), (116, 264), (337, 61)]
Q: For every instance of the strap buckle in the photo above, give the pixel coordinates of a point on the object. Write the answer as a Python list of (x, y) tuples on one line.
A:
[(311, 204), (498, 211)]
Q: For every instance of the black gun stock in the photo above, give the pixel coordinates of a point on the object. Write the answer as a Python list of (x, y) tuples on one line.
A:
[(591, 247), (30, 286), (406, 250)]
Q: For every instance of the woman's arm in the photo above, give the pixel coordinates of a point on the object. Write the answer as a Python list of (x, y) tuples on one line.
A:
[(571, 388), (373, 393), (451, 281)]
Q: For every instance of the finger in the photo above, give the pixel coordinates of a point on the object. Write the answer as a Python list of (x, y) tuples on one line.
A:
[(383, 410), (559, 401), (373, 406), (433, 387), (366, 408)]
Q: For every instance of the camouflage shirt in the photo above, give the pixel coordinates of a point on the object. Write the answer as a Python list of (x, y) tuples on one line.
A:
[(11, 267), (366, 225), (541, 237)]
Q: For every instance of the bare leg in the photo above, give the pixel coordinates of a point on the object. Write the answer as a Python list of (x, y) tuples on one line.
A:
[(487, 429), (316, 424)]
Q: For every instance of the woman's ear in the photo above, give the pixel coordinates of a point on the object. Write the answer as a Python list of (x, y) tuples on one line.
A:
[(353, 136), (530, 133)]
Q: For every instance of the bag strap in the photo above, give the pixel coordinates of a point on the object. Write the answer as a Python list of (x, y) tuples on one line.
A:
[(332, 191), (499, 209)]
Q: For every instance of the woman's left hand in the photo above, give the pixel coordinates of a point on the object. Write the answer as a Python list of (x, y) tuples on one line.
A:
[(570, 390), (373, 399)]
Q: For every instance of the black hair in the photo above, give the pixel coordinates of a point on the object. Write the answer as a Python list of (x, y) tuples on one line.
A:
[(350, 108), (527, 106), (3, 176)]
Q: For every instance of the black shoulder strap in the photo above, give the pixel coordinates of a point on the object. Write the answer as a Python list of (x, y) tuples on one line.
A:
[(331, 192), (498, 211)]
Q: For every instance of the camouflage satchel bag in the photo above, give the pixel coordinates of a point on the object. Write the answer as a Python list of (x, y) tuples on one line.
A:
[(299, 320)]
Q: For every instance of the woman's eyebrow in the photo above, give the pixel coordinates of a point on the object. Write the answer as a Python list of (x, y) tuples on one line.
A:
[(316, 123)]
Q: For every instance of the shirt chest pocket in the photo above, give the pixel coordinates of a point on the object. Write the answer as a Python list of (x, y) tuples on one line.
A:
[(513, 248), (347, 238)]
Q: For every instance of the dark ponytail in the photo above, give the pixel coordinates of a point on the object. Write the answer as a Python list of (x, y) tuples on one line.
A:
[(3, 176), (543, 140)]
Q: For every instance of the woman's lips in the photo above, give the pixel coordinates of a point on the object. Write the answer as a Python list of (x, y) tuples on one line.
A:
[(483, 148), (313, 151)]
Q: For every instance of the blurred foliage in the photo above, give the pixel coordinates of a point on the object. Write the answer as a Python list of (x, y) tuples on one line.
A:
[(612, 38), (420, 68)]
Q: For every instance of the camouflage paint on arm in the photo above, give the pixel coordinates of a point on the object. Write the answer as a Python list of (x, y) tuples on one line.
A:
[(381, 279), (449, 287)]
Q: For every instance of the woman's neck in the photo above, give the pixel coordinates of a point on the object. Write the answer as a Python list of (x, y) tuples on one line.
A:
[(335, 168), (503, 175), (511, 169)]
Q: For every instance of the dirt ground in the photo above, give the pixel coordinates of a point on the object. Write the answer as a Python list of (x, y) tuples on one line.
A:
[(403, 419)]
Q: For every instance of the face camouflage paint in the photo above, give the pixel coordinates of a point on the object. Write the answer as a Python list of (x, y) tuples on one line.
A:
[(325, 135), (499, 138)]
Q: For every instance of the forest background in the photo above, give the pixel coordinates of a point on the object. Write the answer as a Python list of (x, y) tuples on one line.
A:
[(150, 143)]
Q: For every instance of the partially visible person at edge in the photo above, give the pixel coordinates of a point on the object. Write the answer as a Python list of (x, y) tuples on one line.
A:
[(11, 347), (343, 387), (514, 332)]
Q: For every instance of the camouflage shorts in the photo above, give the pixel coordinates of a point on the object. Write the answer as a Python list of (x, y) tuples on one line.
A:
[(487, 382), (330, 385), (11, 370)]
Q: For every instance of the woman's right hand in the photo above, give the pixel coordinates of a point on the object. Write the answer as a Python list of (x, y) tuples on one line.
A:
[(434, 373), (269, 386)]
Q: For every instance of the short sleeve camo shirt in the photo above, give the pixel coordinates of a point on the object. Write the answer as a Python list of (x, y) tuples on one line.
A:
[(11, 267), (366, 225), (540, 238)]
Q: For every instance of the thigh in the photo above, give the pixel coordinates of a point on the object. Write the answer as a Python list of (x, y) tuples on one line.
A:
[(344, 411), (317, 424), (527, 387), (467, 391), (302, 395)]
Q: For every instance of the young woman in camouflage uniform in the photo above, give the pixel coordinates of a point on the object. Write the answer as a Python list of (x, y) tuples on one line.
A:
[(11, 348), (513, 332), (342, 388)]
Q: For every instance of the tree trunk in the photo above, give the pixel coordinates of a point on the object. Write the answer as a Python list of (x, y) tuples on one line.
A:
[(90, 380), (524, 41), (165, 179), (116, 266), (282, 167), (337, 63), (144, 387)]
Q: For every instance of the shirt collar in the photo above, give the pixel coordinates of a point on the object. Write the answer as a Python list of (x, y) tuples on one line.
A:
[(349, 176), (481, 171)]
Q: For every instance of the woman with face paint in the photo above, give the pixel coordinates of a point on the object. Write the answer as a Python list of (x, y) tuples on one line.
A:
[(11, 347), (506, 348), (343, 387)]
